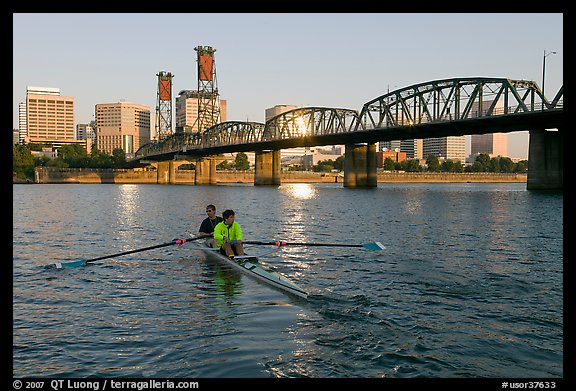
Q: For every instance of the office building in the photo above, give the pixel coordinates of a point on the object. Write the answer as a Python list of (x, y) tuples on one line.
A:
[(413, 148), (451, 147), (187, 111), (122, 125), (49, 116), (22, 128), (493, 144)]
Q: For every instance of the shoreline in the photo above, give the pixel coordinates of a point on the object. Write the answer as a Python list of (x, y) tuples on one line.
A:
[(128, 176)]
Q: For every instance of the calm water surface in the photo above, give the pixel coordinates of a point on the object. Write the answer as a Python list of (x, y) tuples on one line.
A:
[(470, 283)]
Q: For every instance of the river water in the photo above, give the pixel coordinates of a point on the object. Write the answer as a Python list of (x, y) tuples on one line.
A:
[(470, 284)]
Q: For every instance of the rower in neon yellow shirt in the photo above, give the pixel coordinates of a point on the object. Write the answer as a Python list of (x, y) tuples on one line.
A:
[(228, 235)]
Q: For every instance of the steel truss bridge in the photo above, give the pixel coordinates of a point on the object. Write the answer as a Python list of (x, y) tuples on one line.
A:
[(440, 108)]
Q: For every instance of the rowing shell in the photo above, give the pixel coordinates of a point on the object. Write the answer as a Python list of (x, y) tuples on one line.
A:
[(250, 265)]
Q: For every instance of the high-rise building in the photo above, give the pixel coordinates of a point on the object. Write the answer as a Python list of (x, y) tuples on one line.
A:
[(187, 111), (493, 144), (122, 125), (22, 127), (413, 148), (389, 145), (49, 116), (451, 147)]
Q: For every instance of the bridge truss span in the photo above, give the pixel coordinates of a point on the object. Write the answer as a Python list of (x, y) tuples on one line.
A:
[(453, 100), (231, 132), (310, 122)]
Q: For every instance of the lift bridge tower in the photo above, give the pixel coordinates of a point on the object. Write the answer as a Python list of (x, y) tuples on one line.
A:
[(208, 97), (164, 105)]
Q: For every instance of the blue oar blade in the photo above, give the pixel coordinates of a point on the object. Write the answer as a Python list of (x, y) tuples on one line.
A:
[(61, 265), (375, 246)]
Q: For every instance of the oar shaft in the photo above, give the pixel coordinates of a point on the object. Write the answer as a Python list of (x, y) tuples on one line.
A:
[(284, 243), (137, 250)]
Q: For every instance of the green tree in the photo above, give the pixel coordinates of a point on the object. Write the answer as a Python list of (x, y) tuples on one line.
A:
[(22, 161), (451, 165), (433, 163), (494, 165), (324, 166), (506, 164), (241, 161), (73, 155), (521, 166), (99, 159), (118, 158), (482, 163), (339, 163), (411, 165), (388, 164)]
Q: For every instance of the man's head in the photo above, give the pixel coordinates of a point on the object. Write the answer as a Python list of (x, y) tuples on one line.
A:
[(228, 214)]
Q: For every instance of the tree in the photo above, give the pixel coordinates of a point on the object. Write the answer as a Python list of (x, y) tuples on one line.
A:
[(22, 161), (521, 166), (241, 161), (118, 158), (506, 164), (433, 163), (388, 164), (483, 161)]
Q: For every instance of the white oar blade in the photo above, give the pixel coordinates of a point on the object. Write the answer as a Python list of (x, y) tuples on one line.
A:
[(375, 246)]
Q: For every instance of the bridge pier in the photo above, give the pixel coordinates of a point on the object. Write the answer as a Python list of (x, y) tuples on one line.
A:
[(205, 173), (360, 165), (545, 160), (267, 168), (165, 172)]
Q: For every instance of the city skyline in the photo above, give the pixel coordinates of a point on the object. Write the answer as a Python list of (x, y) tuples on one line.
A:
[(263, 60)]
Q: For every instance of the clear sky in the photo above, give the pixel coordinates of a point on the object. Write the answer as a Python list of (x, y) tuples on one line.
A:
[(263, 59)]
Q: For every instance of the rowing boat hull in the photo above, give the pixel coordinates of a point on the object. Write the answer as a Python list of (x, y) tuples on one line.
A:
[(252, 267)]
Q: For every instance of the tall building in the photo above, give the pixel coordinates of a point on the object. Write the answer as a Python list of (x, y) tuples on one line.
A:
[(86, 132), (49, 116), (413, 148), (451, 147), (22, 127), (122, 125), (389, 145), (493, 144), (187, 103)]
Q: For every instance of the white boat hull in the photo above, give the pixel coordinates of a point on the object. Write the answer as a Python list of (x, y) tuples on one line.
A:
[(252, 267)]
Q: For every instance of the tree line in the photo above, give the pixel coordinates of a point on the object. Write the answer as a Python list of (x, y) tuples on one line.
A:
[(483, 163)]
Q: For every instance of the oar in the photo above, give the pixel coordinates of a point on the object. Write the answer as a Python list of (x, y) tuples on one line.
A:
[(279, 243), (60, 265)]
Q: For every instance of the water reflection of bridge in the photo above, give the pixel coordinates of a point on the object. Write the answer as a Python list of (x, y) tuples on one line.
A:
[(450, 107)]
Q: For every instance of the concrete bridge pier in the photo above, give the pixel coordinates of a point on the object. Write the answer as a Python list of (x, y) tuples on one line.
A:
[(165, 172), (360, 165), (267, 168), (545, 160), (205, 173)]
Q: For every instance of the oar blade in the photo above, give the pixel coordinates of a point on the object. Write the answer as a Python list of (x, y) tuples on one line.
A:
[(62, 265), (374, 246)]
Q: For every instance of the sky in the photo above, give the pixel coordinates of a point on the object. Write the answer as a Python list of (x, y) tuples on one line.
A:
[(265, 59)]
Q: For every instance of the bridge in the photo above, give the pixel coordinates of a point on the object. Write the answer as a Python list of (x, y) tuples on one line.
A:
[(440, 108)]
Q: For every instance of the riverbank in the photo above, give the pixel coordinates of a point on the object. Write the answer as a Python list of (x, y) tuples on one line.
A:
[(186, 177)]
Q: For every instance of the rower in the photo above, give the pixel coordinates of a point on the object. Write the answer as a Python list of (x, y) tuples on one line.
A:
[(228, 235)]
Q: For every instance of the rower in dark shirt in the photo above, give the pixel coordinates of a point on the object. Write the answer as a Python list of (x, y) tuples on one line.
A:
[(206, 229)]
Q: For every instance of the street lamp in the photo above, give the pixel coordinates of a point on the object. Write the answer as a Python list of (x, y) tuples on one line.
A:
[(544, 68)]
